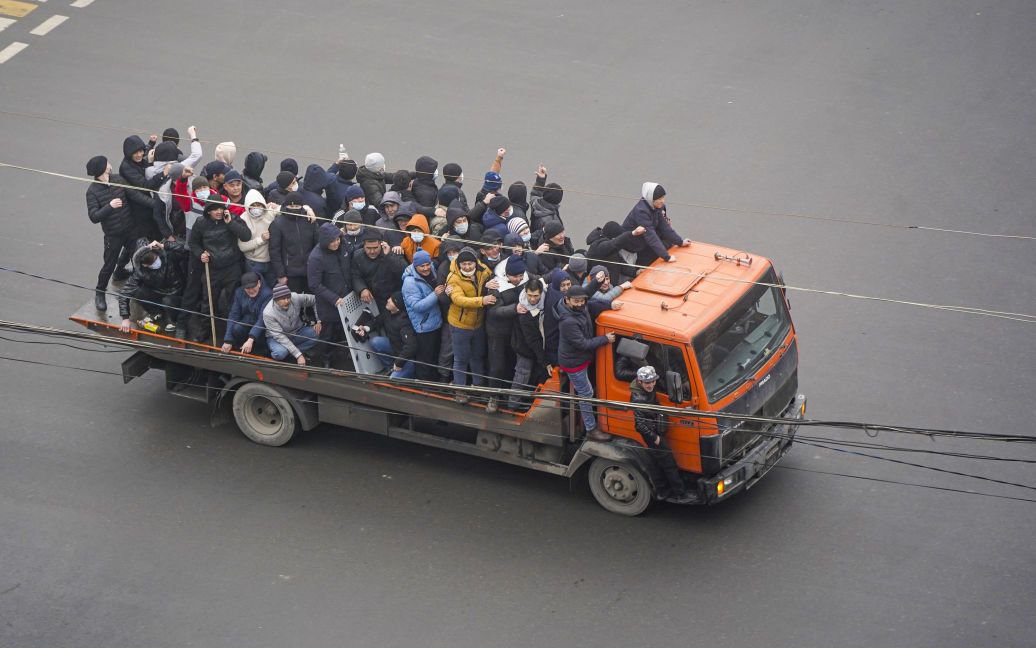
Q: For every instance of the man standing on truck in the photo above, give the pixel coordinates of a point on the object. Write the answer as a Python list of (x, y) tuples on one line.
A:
[(652, 426), (576, 347), (286, 333)]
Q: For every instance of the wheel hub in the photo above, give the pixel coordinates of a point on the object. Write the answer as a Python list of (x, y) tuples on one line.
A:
[(619, 484)]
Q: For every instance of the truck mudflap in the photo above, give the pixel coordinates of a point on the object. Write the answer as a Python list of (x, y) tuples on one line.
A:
[(744, 474)]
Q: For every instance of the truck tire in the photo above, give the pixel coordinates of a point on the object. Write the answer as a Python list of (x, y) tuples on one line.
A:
[(619, 487), (263, 414)]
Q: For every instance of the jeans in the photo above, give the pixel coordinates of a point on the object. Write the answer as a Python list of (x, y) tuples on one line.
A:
[(522, 373), (581, 384), (469, 351), (304, 340), (238, 332), (383, 348)]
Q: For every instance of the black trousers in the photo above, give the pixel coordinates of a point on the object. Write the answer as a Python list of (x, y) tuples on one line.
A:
[(501, 361), (427, 360), (118, 250), (663, 455), (154, 303)]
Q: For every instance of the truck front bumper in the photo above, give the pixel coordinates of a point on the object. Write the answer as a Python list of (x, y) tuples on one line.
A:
[(744, 474)]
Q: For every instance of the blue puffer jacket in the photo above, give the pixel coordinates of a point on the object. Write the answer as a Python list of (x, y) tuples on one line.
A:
[(494, 221), (422, 304)]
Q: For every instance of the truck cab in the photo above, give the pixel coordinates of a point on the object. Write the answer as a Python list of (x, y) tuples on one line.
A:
[(716, 326)]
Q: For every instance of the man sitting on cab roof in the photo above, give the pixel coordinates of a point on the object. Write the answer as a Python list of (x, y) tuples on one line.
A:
[(658, 235)]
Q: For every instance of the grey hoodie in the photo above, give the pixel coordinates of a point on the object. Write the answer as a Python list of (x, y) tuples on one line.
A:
[(281, 323)]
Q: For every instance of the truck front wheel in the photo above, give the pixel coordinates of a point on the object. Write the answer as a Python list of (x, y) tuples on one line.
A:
[(619, 487), (264, 414)]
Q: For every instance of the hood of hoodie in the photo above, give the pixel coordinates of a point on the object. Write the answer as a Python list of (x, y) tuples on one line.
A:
[(316, 179), (647, 190), (327, 234), (419, 221), (452, 214), (425, 167), (595, 234), (254, 196), (131, 145), (255, 162)]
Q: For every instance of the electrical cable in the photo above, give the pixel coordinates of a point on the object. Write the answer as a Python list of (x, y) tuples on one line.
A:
[(734, 210), (1029, 318), (783, 466)]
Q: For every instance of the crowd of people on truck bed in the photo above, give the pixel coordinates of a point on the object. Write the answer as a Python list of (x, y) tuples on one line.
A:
[(490, 292)]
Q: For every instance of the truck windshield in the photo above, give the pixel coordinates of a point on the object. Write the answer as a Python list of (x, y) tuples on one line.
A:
[(736, 344)]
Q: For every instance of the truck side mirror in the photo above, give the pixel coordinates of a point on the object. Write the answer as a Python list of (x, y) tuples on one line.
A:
[(677, 388)]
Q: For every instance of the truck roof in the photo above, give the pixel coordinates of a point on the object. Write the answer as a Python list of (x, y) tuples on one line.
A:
[(677, 300)]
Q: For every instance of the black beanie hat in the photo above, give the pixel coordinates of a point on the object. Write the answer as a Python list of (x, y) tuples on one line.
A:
[(166, 152), (659, 192), (289, 164), (97, 165), (492, 237), (553, 193), (284, 179), (499, 204), (466, 254), (576, 291), (518, 193), (370, 234), (171, 135), (347, 169), (294, 198), (612, 229), (552, 229), (452, 171), (397, 299), (215, 202)]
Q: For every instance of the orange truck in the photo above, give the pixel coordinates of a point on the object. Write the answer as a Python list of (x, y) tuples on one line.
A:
[(715, 324)]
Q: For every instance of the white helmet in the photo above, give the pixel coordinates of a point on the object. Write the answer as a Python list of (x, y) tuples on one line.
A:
[(647, 374)]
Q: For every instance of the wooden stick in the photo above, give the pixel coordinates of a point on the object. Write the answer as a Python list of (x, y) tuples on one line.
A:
[(212, 312)]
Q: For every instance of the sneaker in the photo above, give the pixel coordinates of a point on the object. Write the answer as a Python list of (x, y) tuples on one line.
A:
[(170, 328), (462, 398), (491, 406)]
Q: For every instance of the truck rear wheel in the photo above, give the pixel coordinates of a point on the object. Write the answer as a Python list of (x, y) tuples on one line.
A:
[(263, 414), (619, 487)]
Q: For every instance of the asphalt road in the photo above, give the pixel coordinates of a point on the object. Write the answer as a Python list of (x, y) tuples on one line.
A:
[(125, 520)]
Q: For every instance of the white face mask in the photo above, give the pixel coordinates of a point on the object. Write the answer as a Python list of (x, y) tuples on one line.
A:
[(353, 232), (468, 273), (359, 206), (203, 194), (157, 264), (417, 237), (452, 257), (461, 228), (255, 212)]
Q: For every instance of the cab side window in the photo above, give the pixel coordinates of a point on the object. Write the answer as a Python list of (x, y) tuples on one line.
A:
[(663, 357)]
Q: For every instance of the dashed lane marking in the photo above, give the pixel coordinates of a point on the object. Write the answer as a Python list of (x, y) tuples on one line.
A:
[(47, 25), (6, 22), (15, 8), (9, 51), (82, 3)]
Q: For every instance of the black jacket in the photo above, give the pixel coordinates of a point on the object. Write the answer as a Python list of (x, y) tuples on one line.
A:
[(602, 248), (313, 186), (219, 238), (660, 234), (142, 206), (292, 238), (500, 317), (382, 275), (426, 193), (650, 425), (556, 256), (527, 337), (576, 339), (328, 272), (114, 222), (146, 283), (372, 183), (255, 162), (401, 335)]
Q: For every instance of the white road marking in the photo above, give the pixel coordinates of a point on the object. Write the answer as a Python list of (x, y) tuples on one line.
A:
[(47, 25), (82, 3), (8, 52), (6, 22)]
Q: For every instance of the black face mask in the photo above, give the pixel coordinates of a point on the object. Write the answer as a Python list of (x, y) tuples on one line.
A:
[(578, 309)]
